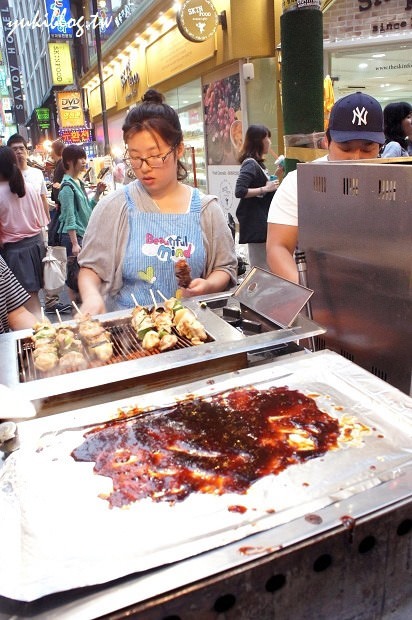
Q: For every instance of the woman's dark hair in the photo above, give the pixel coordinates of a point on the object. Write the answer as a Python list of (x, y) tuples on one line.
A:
[(57, 147), (253, 143), (72, 153), (156, 116), (9, 171), (393, 115)]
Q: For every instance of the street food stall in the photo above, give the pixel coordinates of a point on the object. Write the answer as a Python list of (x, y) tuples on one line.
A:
[(228, 475)]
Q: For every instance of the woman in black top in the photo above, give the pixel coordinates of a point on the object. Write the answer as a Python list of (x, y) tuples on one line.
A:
[(255, 190)]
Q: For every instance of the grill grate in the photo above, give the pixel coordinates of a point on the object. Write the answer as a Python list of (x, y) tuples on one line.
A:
[(126, 346)]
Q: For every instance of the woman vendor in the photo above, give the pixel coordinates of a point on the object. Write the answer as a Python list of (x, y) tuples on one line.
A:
[(137, 234)]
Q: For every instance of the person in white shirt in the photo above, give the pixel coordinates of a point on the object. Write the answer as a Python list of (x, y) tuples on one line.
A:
[(355, 132), (31, 175)]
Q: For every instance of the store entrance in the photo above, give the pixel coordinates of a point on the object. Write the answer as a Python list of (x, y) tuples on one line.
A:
[(383, 71), (187, 101)]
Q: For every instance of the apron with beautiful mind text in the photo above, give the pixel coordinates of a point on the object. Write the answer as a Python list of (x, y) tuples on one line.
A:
[(156, 241)]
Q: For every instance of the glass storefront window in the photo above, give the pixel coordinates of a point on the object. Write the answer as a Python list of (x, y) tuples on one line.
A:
[(382, 71), (187, 101)]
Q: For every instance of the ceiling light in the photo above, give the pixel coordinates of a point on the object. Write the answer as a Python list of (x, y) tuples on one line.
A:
[(363, 65), (378, 55)]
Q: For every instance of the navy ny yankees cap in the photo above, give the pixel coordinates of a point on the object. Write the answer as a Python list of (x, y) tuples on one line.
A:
[(357, 117)]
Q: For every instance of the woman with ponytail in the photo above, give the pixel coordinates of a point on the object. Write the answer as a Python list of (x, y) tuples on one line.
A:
[(22, 218)]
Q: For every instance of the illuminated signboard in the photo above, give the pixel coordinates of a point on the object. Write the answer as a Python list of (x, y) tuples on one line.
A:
[(75, 136), (43, 118), (61, 64), (59, 19), (70, 109)]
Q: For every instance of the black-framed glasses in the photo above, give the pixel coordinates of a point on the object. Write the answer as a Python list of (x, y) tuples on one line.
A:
[(153, 161)]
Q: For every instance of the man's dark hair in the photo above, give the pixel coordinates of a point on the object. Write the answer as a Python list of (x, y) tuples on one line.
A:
[(72, 153), (16, 138)]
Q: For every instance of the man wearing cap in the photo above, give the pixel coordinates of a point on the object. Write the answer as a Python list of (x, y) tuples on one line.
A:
[(355, 132)]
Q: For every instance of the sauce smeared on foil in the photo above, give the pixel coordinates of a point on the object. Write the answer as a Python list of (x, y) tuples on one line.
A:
[(216, 445)]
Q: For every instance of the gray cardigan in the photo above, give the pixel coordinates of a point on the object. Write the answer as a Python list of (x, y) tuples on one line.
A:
[(106, 236)]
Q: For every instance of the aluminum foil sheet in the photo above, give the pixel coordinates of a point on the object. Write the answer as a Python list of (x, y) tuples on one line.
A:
[(58, 534)]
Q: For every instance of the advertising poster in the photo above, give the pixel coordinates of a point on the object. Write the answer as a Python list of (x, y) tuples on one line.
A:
[(223, 130), (69, 107)]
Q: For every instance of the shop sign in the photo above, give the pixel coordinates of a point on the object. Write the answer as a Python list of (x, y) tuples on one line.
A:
[(69, 107), (197, 20), (128, 78), (75, 136), (293, 5), (365, 5), (43, 117), (171, 54), (61, 64), (59, 19), (14, 69)]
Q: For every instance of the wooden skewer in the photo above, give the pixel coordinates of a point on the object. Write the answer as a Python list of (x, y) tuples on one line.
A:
[(76, 307), (58, 316), (161, 295), (153, 298), (134, 300)]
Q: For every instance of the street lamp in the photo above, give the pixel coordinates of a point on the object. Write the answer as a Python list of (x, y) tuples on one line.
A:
[(100, 70)]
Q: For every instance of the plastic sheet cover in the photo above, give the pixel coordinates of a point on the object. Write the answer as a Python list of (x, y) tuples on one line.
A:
[(58, 534)]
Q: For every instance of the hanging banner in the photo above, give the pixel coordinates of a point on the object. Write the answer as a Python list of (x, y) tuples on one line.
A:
[(12, 57), (43, 117), (61, 64), (69, 108), (59, 19)]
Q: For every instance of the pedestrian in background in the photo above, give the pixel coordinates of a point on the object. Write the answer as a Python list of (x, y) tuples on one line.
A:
[(75, 209), (255, 190), (22, 219), (31, 175), (397, 120)]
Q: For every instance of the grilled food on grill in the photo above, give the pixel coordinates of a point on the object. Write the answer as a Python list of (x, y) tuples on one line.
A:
[(183, 274), (96, 338), (45, 354), (153, 329), (185, 321), (72, 361)]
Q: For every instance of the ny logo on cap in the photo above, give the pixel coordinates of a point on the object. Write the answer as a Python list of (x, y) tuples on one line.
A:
[(360, 115)]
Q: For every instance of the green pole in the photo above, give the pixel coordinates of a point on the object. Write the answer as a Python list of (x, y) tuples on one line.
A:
[(302, 73)]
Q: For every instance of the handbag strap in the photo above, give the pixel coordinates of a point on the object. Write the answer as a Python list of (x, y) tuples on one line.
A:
[(258, 165)]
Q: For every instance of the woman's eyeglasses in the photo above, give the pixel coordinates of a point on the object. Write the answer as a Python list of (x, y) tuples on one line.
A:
[(153, 161)]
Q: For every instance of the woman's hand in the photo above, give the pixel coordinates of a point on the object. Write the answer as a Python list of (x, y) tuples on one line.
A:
[(198, 286), (216, 282), (93, 304), (75, 249), (100, 188), (271, 186)]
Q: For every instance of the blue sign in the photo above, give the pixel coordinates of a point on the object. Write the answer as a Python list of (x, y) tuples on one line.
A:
[(59, 19)]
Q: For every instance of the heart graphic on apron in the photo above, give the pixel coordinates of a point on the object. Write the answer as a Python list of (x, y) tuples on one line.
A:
[(148, 275)]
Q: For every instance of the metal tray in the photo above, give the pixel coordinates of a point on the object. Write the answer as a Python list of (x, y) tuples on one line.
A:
[(50, 505)]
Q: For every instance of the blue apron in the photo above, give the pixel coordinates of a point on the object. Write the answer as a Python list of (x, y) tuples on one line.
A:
[(156, 241)]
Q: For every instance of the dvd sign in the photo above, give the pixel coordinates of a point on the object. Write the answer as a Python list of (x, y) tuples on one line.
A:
[(70, 109)]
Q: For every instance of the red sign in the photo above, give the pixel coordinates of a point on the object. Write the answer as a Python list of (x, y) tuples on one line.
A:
[(75, 136)]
